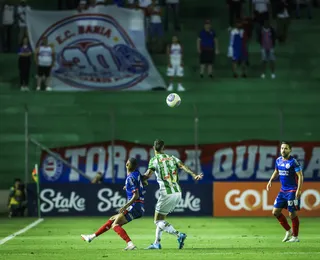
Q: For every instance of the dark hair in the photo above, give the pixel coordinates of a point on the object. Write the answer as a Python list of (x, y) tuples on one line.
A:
[(133, 163), (17, 179), (158, 145), (287, 144)]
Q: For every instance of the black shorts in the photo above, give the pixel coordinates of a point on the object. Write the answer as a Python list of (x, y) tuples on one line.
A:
[(207, 57), (44, 71)]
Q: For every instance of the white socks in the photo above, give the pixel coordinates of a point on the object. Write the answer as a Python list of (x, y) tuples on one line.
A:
[(159, 232), (165, 226)]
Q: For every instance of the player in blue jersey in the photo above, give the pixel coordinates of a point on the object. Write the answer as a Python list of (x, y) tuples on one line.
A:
[(133, 209), (291, 178)]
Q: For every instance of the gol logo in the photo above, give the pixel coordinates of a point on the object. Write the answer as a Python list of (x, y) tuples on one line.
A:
[(252, 200)]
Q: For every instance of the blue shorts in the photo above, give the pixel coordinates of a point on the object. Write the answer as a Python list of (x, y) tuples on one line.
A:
[(287, 200), (135, 211), (239, 57)]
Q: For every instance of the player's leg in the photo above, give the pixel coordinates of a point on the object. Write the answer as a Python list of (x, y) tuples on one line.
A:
[(202, 63), (165, 205), (170, 74), (279, 204), (264, 63), (179, 74), (104, 228), (293, 207), (210, 62), (39, 77), (121, 220), (272, 59), (234, 67), (48, 79)]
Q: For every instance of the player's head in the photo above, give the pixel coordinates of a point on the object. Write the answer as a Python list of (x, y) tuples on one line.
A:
[(175, 39), (158, 145), (17, 183), (132, 164), (239, 24), (44, 41), (285, 149), (207, 25)]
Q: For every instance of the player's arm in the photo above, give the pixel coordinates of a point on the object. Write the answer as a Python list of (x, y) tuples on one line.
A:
[(199, 44), (274, 175), (300, 182), (36, 54), (185, 168), (147, 175), (53, 56), (11, 194), (216, 44), (131, 201)]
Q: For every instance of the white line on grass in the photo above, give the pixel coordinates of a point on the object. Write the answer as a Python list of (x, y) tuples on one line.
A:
[(33, 224)]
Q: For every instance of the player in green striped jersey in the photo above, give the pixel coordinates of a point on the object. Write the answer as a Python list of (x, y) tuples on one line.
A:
[(166, 169)]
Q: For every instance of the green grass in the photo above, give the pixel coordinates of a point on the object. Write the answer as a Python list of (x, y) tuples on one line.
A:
[(208, 238)]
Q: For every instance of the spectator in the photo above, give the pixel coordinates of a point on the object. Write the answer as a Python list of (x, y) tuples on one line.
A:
[(25, 53), (238, 51), (98, 179), (101, 2), (174, 6), (119, 3), (235, 8), (44, 58), (21, 16), (82, 6), (8, 14), (308, 4), (283, 20), (207, 46), (267, 40), (91, 4), (175, 63), (156, 27), (261, 11), (17, 199)]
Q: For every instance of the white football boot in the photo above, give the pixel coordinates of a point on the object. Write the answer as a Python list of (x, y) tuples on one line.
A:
[(130, 246), (287, 236), (294, 239), (87, 238)]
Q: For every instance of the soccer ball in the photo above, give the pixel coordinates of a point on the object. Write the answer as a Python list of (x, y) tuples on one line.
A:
[(173, 100)]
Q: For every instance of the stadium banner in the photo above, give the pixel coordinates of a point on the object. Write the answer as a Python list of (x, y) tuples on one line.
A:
[(106, 199), (238, 161), (251, 199), (102, 48)]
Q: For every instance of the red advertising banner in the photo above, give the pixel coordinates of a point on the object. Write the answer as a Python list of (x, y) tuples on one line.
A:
[(237, 161), (251, 199)]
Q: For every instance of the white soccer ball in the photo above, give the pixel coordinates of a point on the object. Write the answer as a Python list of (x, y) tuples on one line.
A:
[(173, 100)]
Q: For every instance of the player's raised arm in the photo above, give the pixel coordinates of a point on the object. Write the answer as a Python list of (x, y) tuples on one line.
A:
[(194, 175), (273, 176)]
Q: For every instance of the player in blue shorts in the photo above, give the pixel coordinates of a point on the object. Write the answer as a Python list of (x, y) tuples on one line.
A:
[(132, 210), (291, 178)]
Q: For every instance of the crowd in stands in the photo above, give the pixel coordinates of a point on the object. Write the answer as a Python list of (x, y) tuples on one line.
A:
[(243, 29)]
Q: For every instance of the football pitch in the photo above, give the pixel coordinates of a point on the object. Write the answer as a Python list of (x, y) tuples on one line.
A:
[(208, 238)]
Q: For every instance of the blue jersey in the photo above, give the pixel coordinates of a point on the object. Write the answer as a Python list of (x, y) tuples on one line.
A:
[(134, 184), (287, 173)]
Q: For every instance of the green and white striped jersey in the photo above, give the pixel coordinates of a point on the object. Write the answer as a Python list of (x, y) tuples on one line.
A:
[(166, 170)]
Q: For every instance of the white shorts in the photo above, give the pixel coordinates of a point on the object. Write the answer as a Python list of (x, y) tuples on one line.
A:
[(167, 203), (175, 70)]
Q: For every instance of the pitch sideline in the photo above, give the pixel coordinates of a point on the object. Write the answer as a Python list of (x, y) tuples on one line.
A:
[(21, 231)]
